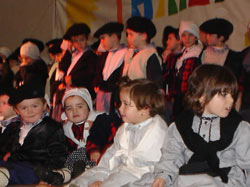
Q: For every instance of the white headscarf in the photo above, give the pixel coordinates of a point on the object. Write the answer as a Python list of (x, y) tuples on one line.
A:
[(30, 50), (190, 27)]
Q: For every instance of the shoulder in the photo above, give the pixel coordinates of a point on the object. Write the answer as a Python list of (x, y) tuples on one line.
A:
[(51, 123)]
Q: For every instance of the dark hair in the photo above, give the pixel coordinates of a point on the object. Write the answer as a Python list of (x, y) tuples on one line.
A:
[(207, 80), (145, 94), (168, 30)]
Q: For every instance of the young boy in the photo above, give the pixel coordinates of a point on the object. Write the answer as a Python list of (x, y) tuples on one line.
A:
[(142, 60), (32, 149), (171, 42), (79, 114), (79, 61), (7, 112), (217, 52), (109, 65), (131, 159)]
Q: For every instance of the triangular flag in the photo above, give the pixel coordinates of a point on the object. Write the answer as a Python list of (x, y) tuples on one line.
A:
[(172, 7), (183, 5)]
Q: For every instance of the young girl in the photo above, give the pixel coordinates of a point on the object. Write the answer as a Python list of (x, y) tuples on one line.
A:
[(207, 145), (137, 143), (33, 149), (78, 107), (178, 67)]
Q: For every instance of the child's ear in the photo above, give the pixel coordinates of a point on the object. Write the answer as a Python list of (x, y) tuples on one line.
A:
[(15, 109), (144, 36), (145, 111)]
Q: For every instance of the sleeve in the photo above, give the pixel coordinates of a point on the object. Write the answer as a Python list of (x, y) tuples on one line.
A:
[(57, 150), (154, 70), (172, 156)]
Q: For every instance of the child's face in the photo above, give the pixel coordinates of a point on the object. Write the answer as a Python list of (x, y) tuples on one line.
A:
[(129, 111), (6, 110), (80, 42), (135, 39), (220, 105), (76, 109), (31, 110), (107, 41), (188, 39), (172, 42), (213, 39)]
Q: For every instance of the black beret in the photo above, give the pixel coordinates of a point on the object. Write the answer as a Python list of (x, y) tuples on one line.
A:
[(77, 29), (56, 47), (108, 28), (142, 24), (14, 55), (217, 26), (52, 42), (37, 42), (26, 91), (9, 91)]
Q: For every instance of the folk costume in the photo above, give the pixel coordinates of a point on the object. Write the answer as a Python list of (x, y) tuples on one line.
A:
[(109, 66), (206, 151), (132, 158), (37, 150)]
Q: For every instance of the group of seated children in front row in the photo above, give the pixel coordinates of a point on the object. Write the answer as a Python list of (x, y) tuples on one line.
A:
[(206, 145)]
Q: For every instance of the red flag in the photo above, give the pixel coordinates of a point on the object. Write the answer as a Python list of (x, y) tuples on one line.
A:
[(198, 2)]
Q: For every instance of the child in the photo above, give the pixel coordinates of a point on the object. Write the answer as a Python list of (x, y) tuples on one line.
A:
[(171, 42), (109, 65), (33, 70), (137, 143), (179, 67), (78, 107), (79, 61), (32, 149), (142, 60), (208, 144), (218, 31), (7, 112)]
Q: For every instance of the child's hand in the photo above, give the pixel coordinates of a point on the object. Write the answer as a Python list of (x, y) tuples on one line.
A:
[(159, 182), (95, 155), (61, 86), (96, 184), (6, 156)]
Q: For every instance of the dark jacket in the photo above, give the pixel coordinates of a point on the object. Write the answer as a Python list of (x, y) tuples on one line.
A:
[(45, 144)]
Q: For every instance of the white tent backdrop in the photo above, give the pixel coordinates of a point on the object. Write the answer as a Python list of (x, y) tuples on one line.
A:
[(47, 19)]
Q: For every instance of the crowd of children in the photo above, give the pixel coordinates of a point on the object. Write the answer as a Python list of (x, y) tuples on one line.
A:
[(137, 115)]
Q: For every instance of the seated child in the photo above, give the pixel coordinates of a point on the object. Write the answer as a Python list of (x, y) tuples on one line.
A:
[(7, 112), (208, 144), (32, 149), (130, 160), (78, 107)]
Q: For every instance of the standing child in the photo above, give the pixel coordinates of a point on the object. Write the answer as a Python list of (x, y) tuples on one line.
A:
[(7, 112), (207, 145), (179, 67), (137, 143), (109, 65), (142, 60), (32, 149), (78, 107)]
